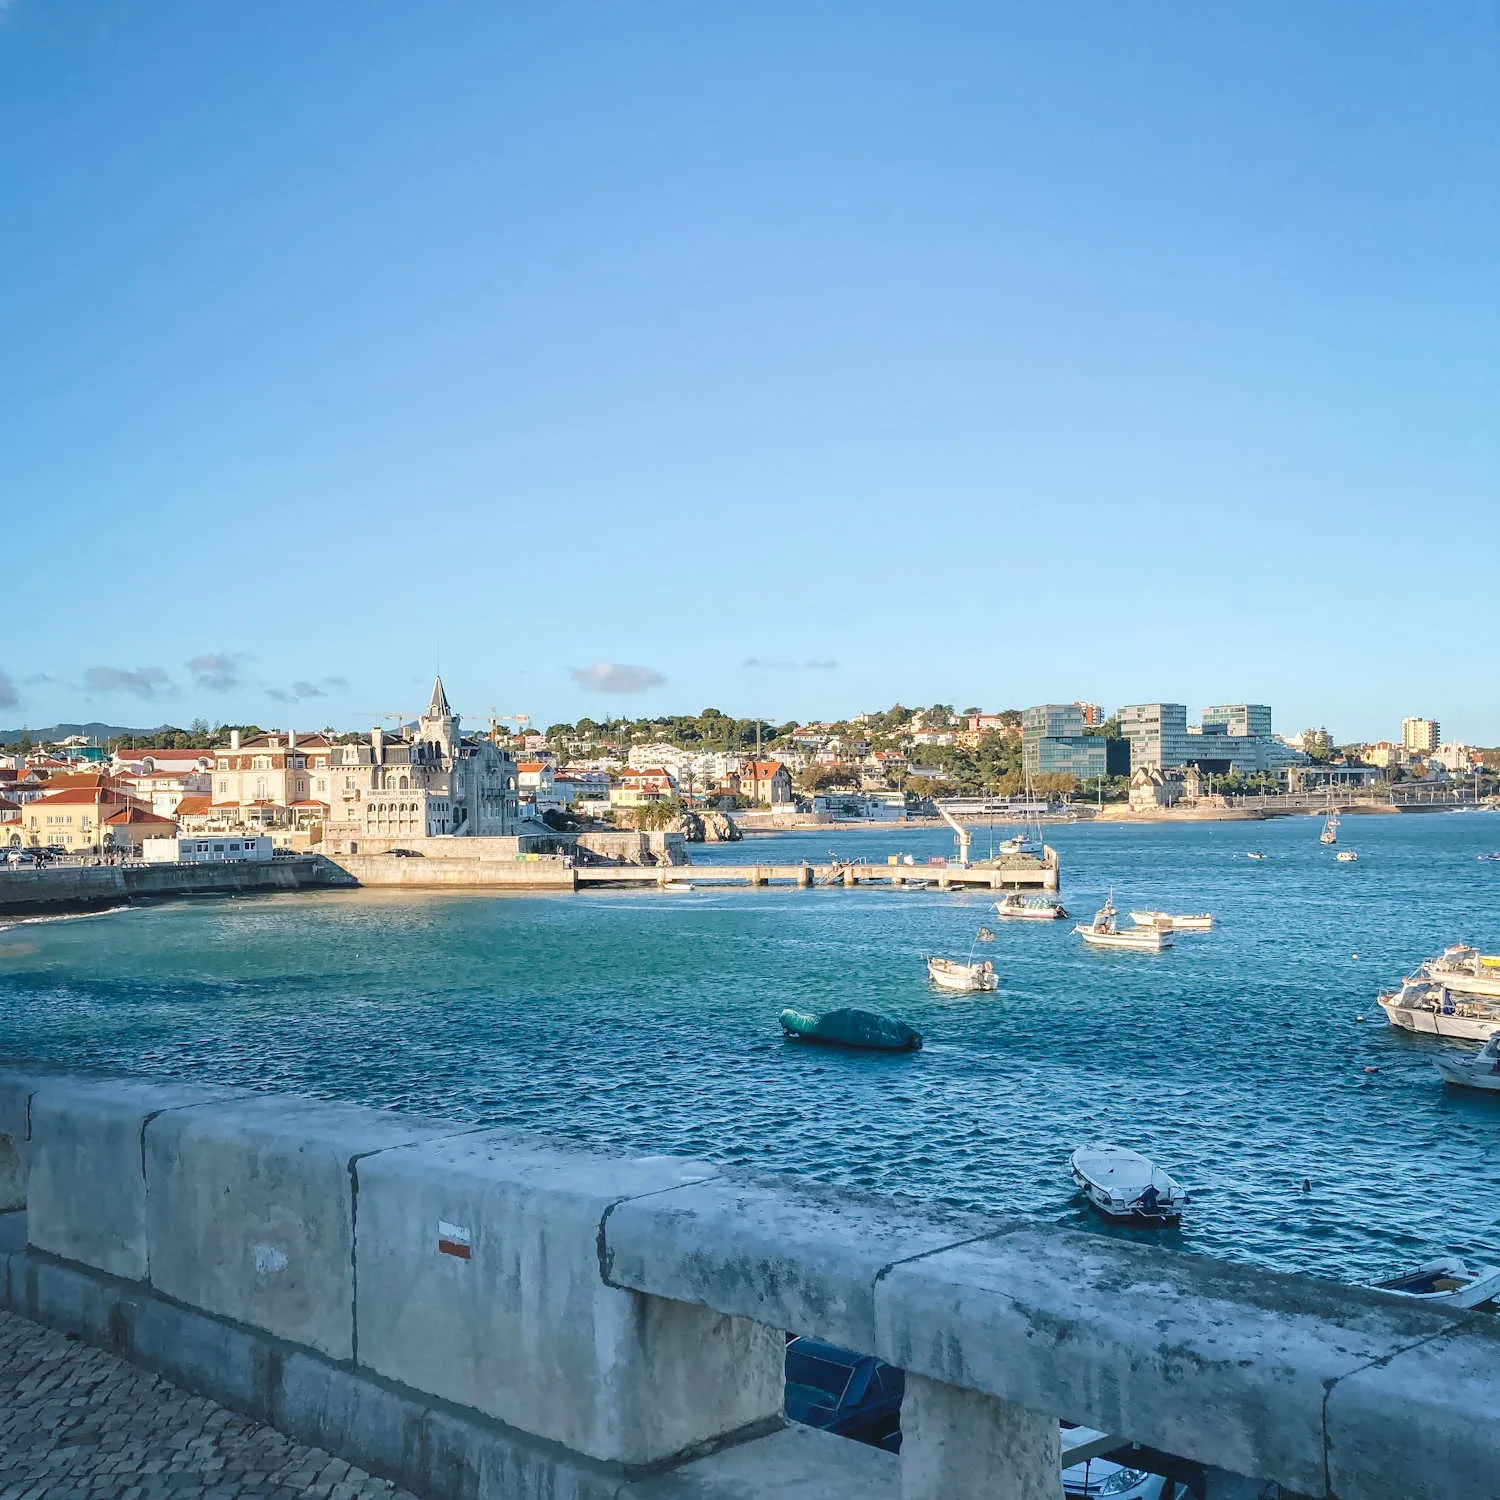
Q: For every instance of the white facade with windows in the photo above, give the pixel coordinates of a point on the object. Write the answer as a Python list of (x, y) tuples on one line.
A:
[(217, 849)]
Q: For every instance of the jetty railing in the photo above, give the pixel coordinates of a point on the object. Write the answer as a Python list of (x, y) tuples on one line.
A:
[(475, 1311)]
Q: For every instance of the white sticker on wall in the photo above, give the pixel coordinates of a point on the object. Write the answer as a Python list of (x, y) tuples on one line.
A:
[(269, 1258)]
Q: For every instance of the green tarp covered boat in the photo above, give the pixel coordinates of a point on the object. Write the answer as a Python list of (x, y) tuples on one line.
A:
[(851, 1028)]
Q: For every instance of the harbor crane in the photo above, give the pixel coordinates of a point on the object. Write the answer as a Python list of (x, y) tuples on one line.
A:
[(962, 835)]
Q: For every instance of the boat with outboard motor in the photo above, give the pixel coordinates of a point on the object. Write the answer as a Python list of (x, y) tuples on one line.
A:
[(1422, 1004), (1123, 1184), (951, 974), (1105, 932), (1445, 1283), (1198, 921), (1481, 1071), (850, 1027), (1013, 905)]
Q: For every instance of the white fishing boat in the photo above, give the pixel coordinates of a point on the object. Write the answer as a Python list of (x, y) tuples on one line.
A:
[(1346, 856), (678, 885), (1423, 1005), (1481, 1071), (1104, 932), (1198, 921), (1466, 969), (1123, 1184), (950, 974), (1029, 908), (1445, 1283)]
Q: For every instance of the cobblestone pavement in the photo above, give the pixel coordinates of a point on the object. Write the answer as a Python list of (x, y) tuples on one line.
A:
[(77, 1423)]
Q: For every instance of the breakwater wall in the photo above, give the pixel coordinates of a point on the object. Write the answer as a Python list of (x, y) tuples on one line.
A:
[(88, 887), (479, 1312)]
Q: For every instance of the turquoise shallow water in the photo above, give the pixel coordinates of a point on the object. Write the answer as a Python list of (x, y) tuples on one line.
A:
[(649, 1020)]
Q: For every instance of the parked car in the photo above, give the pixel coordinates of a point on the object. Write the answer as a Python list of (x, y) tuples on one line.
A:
[(853, 1395), (20, 857), (1101, 1479)]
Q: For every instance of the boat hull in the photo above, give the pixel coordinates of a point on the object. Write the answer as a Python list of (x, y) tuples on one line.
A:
[(1429, 1022), (1468, 1075), (1036, 914), (1120, 1201), (1145, 941)]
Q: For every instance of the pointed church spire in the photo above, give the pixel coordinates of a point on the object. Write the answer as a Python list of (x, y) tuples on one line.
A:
[(438, 707)]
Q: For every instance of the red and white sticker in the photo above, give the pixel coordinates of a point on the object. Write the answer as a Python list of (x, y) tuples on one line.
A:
[(454, 1239)]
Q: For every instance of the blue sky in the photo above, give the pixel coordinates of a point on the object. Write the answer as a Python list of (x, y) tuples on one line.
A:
[(792, 358)]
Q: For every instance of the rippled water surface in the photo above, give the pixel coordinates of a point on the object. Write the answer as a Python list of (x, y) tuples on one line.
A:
[(1238, 1059)]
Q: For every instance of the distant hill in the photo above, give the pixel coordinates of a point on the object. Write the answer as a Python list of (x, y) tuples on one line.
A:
[(100, 732)]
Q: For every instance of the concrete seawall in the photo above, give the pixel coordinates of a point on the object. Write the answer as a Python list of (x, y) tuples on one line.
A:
[(88, 887), (484, 1313)]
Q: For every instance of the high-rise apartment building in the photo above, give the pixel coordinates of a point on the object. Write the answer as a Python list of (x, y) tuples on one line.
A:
[(1052, 739), (1421, 735), (1157, 733), (1237, 719)]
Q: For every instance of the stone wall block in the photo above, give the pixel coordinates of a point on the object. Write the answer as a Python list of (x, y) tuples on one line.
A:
[(1216, 1362), (960, 1445), (16, 1090), (250, 1210), (1408, 1426), (86, 1191), (800, 1258), (480, 1282)]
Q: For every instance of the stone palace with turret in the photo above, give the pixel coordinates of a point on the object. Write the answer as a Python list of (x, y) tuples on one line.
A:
[(421, 782)]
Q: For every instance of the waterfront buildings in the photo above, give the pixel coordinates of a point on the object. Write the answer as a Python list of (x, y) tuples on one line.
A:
[(99, 814), (423, 782), (1231, 737), (1157, 733), (641, 784), (1053, 741), (276, 780), (766, 782), (1421, 736)]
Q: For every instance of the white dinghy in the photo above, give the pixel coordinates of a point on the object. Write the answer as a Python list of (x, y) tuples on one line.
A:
[(1445, 1283), (1122, 1184), (1481, 1071), (950, 974)]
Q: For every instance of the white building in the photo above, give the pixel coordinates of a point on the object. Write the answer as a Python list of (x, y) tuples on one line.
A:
[(1421, 735), (1455, 757), (218, 849), (424, 783)]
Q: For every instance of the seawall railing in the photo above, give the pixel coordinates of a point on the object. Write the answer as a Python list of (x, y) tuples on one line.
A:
[(483, 1312)]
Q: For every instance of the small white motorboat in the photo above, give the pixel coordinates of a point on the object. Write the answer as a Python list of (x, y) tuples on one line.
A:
[(1346, 857), (1445, 1283), (1481, 1071), (1255, 854), (950, 974), (1198, 921), (1123, 1184), (1104, 932), (1029, 908), (678, 885)]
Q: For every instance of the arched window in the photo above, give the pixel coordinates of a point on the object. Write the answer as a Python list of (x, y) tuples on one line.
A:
[(402, 785)]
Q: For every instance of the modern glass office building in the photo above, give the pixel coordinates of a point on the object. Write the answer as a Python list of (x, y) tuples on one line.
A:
[(1237, 718), (1052, 739), (1157, 733)]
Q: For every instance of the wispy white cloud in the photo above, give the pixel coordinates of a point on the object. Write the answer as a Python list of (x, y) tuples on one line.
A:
[(140, 682), (215, 671), (616, 677)]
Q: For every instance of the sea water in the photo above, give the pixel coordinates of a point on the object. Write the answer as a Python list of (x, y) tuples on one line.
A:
[(1248, 1061)]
